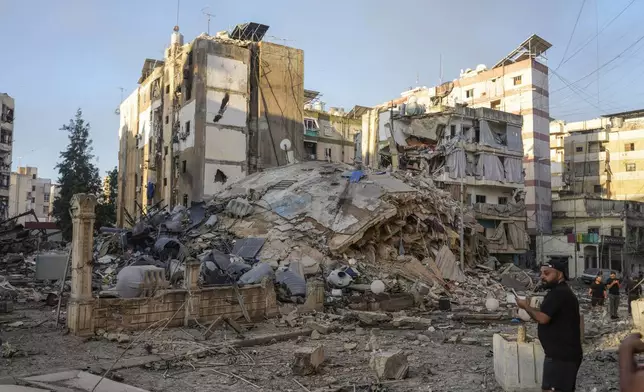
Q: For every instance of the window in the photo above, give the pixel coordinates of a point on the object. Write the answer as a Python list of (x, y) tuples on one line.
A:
[(33, 188), (616, 231), (579, 149), (183, 166), (597, 188), (496, 105), (167, 89), (516, 80), (309, 123), (187, 127), (503, 200), (167, 119), (452, 130), (593, 230), (567, 230), (46, 197), (185, 200), (629, 147), (33, 200), (480, 198), (630, 167), (469, 93), (327, 154), (165, 181), (165, 150)]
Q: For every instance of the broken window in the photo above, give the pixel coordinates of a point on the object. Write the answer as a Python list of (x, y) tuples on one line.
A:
[(167, 119), (503, 200), (327, 154), (481, 198), (165, 181), (516, 80), (616, 231), (452, 130), (220, 177), (33, 176), (567, 230), (310, 123), (597, 188), (167, 89), (183, 166), (630, 167), (579, 149), (469, 93), (187, 127), (629, 147), (496, 105), (165, 150), (33, 188), (185, 200)]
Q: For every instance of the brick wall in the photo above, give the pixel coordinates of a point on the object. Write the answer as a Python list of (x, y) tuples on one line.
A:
[(172, 305)]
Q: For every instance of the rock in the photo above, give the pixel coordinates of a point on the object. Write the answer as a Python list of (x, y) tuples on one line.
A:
[(360, 331), (452, 339), (431, 329), (350, 346), (16, 324), (470, 341), (315, 335), (324, 329), (307, 360), (372, 344), (371, 318), (422, 338), (389, 365), (100, 332), (291, 319), (112, 337), (123, 338), (412, 322)]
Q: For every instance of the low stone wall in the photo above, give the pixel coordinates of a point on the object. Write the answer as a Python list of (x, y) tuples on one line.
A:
[(180, 307)]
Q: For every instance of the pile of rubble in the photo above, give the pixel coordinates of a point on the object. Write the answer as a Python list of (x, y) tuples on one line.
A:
[(368, 236)]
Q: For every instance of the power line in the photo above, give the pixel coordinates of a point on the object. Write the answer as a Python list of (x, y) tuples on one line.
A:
[(572, 34), (597, 34)]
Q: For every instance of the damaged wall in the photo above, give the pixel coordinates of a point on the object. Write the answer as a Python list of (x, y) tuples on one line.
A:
[(281, 102)]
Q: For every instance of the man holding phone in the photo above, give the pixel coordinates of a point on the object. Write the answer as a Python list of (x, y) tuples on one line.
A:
[(559, 329)]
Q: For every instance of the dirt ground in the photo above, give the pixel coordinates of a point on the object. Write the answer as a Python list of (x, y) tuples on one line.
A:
[(37, 346)]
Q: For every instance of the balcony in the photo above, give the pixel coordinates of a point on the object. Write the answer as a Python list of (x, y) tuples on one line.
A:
[(312, 132)]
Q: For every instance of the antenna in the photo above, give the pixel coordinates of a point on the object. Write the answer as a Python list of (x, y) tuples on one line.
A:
[(441, 68), (118, 109), (178, 3), (209, 15)]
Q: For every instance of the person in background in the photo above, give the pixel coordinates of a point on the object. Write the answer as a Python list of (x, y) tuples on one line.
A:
[(633, 291), (613, 287), (631, 377), (597, 292), (559, 329)]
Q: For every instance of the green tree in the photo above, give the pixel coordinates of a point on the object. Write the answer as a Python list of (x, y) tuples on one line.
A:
[(106, 208), (76, 171)]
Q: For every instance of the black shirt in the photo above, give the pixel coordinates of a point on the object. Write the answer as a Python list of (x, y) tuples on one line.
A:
[(614, 289), (561, 337), (631, 290), (597, 290)]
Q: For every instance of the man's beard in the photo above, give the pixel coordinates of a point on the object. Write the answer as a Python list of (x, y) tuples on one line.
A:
[(548, 285)]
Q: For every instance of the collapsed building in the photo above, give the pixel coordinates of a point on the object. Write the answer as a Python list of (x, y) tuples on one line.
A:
[(213, 111), (474, 154)]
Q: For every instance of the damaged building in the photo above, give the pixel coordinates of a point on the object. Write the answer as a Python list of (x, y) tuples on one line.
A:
[(516, 84), (6, 147), (331, 135), (474, 151), (213, 111)]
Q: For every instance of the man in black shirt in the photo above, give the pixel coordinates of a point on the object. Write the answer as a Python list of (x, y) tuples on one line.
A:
[(613, 286), (559, 329), (597, 292)]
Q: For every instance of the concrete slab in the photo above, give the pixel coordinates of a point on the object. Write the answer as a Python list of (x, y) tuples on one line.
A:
[(517, 366), (78, 381), (18, 388)]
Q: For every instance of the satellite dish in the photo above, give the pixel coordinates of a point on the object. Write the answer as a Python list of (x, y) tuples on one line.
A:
[(285, 145)]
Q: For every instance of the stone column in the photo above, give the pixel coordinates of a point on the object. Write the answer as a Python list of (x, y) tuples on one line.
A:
[(80, 320), (193, 296)]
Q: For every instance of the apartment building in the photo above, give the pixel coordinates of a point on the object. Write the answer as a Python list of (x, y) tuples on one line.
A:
[(7, 106), (30, 192), (211, 112), (330, 135), (516, 84), (597, 233), (601, 157), (478, 151)]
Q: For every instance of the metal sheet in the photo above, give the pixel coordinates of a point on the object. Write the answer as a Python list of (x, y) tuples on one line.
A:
[(248, 248), (51, 266)]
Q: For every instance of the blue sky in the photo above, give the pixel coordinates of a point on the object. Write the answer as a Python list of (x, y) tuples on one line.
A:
[(64, 54)]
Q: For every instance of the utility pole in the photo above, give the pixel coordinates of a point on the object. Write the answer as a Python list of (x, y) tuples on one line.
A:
[(574, 204), (462, 227), (209, 15)]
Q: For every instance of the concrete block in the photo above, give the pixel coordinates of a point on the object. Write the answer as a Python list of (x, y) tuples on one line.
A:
[(389, 365), (307, 360), (637, 309), (517, 366)]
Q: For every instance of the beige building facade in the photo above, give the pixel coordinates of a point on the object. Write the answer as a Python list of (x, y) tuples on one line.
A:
[(7, 107), (30, 192), (213, 111)]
